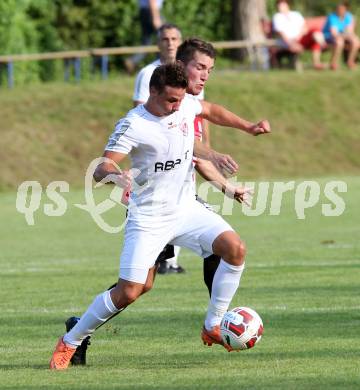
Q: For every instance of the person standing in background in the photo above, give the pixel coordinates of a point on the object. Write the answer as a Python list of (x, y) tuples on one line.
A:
[(150, 20), (168, 40)]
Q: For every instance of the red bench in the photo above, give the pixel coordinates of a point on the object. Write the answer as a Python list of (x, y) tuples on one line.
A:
[(279, 54)]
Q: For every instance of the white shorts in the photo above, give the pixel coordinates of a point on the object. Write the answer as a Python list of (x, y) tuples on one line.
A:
[(196, 229)]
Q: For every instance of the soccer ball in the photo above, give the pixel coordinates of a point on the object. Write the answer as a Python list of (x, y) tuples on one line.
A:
[(241, 328)]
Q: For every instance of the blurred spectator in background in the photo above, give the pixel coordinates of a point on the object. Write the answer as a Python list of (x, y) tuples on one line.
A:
[(151, 21), (294, 36), (169, 39), (338, 31)]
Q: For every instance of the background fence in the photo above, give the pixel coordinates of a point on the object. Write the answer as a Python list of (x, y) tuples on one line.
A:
[(72, 59)]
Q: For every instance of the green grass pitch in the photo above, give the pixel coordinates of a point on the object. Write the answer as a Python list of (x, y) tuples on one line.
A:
[(302, 277)]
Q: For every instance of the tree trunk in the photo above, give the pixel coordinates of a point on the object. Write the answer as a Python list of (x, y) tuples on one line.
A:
[(248, 18)]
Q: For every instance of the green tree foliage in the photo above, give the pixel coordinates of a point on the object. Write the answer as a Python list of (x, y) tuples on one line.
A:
[(18, 35), (207, 19), (42, 13), (96, 23), (28, 26), (17, 30)]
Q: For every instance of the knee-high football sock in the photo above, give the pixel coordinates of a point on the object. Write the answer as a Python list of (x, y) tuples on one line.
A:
[(172, 262), (225, 283), (101, 309), (210, 266)]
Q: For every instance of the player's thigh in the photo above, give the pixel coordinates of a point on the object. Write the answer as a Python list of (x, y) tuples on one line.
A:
[(200, 230), (140, 251)]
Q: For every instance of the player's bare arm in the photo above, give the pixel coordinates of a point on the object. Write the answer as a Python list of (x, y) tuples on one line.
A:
[(219, 115), (223, 162), (206, 132), (209, 172), (109, 172)]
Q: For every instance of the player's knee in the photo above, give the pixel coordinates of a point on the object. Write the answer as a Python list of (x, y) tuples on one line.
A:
[(124, 297), (237, 252), (356, 42), (241, 248), (131, 296), (147, 287), (339, 42)]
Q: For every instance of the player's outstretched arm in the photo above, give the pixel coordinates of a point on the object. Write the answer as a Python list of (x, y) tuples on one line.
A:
[(206, 132), (108, 170), (208, 171), (219, 115), (223, 162)]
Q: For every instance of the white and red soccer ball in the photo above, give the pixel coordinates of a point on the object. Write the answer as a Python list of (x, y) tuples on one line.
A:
[(241, 328)]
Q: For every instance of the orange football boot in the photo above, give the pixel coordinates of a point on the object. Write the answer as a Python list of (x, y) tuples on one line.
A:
[(62, 355), (213, 336)]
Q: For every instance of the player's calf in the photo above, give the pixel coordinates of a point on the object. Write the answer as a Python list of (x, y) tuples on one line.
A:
[(150, 279), (125, 293), (210, 266)]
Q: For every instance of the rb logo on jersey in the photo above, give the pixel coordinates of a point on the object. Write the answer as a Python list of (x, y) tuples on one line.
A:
[(167, 166)]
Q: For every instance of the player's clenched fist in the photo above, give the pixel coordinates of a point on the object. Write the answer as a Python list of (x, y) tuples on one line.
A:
[(262, 127)]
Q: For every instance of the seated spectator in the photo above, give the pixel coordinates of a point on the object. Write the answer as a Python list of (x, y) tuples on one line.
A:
[(294, 35), (338, 30)]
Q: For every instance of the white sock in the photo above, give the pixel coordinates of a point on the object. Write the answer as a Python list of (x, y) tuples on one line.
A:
[(173, 261), (225, 283), (101, 309)]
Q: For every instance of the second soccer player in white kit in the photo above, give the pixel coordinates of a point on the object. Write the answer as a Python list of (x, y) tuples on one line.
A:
[(159, 138)]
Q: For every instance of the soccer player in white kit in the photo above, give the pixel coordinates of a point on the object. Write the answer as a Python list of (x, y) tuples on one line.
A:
[(162, 208), (169, 39), (198, 58), (158, 158)]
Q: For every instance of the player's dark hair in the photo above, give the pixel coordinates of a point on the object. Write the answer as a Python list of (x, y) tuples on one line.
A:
[(186, 51), (171, 75), (168, 26)]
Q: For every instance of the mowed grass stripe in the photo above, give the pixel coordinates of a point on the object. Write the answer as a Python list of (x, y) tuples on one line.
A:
[(304, 286)]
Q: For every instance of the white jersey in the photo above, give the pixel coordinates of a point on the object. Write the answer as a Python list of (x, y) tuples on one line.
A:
[(289, 24), (141, 90), (161, 149)]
